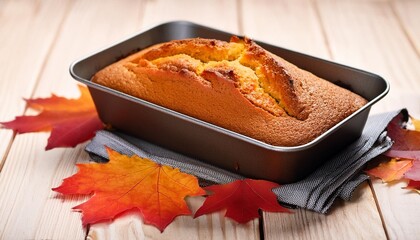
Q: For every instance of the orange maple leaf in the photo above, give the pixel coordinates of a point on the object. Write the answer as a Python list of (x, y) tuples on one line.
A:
[(391, 170), (71, 121), (125, 183), (241, 199)]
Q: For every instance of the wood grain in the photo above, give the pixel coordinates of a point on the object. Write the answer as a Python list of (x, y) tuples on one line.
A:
[(28, 207), (41, 38), (27, 31), (376, 44), (289, 24), (346, 220), (218, 14), (212, 226), (399, 208), (84, 32), (408, 13)]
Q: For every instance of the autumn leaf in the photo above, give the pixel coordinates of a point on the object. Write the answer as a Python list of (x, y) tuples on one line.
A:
[(406, 145), (391, 170), (405, 154), (406, 142), (414, 185), (125, 183), (241, 199), (71, 121), (414, 172), (416, 123)]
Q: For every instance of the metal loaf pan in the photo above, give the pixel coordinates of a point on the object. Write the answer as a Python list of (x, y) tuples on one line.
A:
[(213, 144)]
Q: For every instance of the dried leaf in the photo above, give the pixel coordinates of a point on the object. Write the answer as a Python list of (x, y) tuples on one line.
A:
[(414, 185), (416, 123), (125, 183), (241, 199), (406, 142), (414, 172), (392, 170), (71, 121), (405, 154)]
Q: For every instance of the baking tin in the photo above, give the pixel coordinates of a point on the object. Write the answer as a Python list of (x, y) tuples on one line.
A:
[(213, 144)]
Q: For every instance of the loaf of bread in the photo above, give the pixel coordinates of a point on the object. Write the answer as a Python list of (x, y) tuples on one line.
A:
[(236, 85)]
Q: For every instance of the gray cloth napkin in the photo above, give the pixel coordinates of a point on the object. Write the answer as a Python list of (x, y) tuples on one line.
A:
[(338, 177)]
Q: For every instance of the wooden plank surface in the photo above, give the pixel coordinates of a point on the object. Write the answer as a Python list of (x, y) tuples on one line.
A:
[(376, 44), (290, 24), (27, 31), (28, 207), (44, 37), (218, 14), (407, 12), (346, 220), (212, 226), (380, 45)]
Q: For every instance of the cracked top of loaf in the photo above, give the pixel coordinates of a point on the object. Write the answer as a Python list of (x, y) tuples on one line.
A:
[(236, 85)]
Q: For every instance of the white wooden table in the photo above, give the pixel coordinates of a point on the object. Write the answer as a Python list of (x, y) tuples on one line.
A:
[(39, 39)]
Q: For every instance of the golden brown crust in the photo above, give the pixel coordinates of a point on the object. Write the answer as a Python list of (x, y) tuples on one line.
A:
[(237, 85)]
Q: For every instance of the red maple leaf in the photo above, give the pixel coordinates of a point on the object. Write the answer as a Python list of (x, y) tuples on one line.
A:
[(241, 199), (415, 185), (158, 192), (71, 121)]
